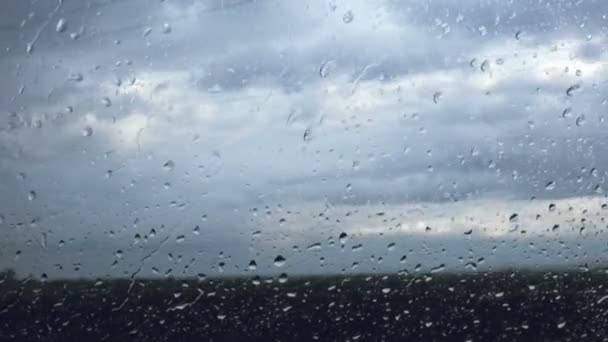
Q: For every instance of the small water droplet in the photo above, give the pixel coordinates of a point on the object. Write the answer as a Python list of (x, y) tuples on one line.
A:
[(580, 120), (438, 268), (518, 35), (75, 77), (437, 97), (326, 68), (348, 17), (106, 101), (166, 28), (87, 131), (391, 246), (108, 174), (386, 290), (561, 325), (279, 261), (485, 65), (196, 230), (343, 238), (567, 113), (308, 134), (32, 195), (252, 265), (513, 218), (180, 239), (283, 278), (550, 186), (61, 26), (573, 89), (147, 31), (169, 165)]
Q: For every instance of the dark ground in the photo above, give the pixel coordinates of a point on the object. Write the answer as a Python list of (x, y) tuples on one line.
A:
[(506, 306)]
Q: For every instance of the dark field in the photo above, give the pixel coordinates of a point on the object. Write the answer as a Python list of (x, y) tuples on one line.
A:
[(507, 306)]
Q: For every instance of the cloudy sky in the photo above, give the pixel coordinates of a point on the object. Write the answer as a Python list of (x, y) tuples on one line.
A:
[(152, 138)]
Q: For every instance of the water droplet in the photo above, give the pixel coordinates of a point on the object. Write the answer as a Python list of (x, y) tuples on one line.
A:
[(166, 28), (169, 165), (283, 278), (279, 261), (29, 48), (314, 247), (308, 134), (438, 268), (196, 230), (43, 240), (75, 77), (518, 35), (180, 239), (343, 238), (485, 65), (348, 17), (513, 218), (561, 325), (573, 89), (147, 31), (326, 68), (61, 26), (474, 152), (87, 131), (108, 174), (437, 97), (386, 290), (550, 186), (106, 101), (551, 207), (391, 246), (580, 120), (567, 113), (252, 265), (32, 195)]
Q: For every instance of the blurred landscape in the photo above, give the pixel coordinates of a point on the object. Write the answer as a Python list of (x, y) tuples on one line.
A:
[(497, 306)]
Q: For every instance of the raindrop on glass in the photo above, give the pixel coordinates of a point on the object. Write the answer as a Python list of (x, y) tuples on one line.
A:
[(279, 261), (348, 17)]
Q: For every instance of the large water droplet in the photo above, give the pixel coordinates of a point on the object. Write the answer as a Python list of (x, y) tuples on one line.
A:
[(279, 261)]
